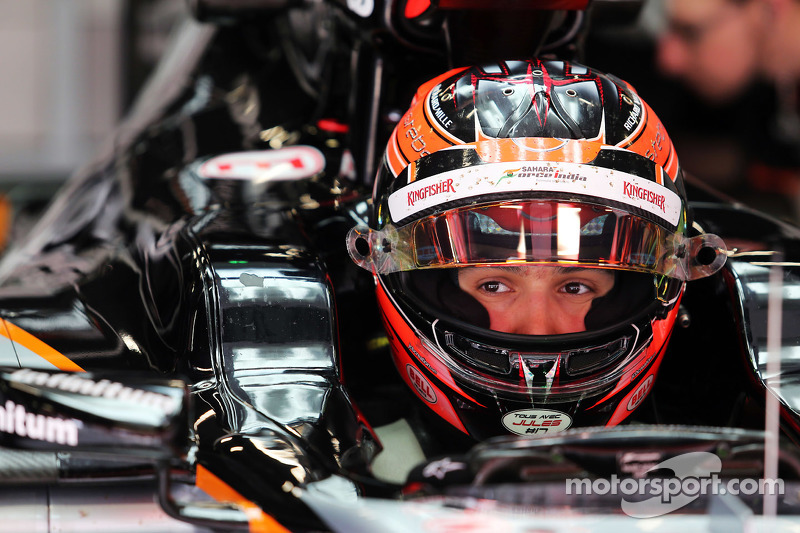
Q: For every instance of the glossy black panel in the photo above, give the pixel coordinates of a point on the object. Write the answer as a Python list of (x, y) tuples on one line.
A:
[(75, 411)]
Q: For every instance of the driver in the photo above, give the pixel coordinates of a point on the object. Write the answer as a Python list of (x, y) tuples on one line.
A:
[(530, 242), (536, 300)]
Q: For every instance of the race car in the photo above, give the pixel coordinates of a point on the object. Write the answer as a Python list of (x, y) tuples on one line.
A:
[(186, 345)]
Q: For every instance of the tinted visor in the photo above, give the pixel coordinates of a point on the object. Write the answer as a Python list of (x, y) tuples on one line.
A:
[(557, 232)]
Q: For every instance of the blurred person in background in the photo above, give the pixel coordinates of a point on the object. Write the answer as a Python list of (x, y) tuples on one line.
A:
[(740, 55), (712, 45)]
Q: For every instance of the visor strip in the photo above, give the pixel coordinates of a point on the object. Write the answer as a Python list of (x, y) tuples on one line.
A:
[(531, 176)]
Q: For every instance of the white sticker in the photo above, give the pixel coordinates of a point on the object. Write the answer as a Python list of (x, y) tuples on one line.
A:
[(538, 176), (536, 421), (291, 163)]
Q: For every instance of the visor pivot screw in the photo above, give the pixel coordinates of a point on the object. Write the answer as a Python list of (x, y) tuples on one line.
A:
[(386, 246), (681, 251)]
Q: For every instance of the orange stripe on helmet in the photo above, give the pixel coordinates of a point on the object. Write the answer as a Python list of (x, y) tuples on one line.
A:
[(394, 159), (417, 135), (671, 166), (654, 143)]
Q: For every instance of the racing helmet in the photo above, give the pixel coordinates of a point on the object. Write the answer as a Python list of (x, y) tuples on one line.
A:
[(513, 167)]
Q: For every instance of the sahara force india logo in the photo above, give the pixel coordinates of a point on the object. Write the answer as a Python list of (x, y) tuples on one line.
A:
[(446, 185), (544, 172)]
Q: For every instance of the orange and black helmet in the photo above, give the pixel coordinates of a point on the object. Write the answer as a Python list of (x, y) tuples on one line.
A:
[(530, 163)]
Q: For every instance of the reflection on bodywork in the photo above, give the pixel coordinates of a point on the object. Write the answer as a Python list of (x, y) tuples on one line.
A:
[(277, 332), (755, 291)]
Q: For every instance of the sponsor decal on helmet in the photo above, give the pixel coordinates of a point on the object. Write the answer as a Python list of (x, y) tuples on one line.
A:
[(641, 369), (421, 384), (545, 171), (633, 117), (636, 398), (291, 163), (632, 191), (572, 178), (415, 135), (434, 98), (421, 359), (536, 421), (440, 187)]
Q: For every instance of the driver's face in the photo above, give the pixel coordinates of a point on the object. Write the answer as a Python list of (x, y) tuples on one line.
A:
[(536, 300)]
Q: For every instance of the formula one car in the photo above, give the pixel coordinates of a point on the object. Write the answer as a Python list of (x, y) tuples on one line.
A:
[(186, 345)]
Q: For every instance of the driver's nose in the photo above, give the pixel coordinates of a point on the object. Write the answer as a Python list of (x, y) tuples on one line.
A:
[(533, 316)]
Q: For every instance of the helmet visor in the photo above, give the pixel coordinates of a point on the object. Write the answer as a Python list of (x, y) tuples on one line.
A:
[(566, 233)]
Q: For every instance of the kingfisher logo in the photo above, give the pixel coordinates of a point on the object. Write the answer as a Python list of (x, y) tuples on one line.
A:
[(440, 187), (640, 193)]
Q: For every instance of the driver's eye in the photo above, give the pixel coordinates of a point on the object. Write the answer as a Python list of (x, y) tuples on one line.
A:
[(575, 288), (491, 286)]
